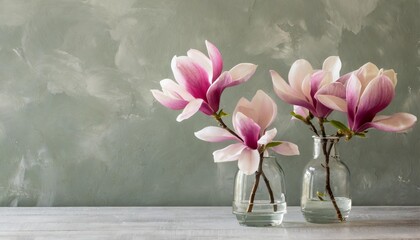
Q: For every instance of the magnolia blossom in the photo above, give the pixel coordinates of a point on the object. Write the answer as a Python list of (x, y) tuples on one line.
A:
[(369, 91), (306, 83), (199, 82), (250, 121)]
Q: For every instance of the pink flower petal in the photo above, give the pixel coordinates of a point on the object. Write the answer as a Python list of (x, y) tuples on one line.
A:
[(316, 80), (167, 101), (332, 64), (392, 75), (376, 97), (262, 109), (229, 153), (189, 110), (214, 134), (398, 122), (286, 149), (333, 102), (214, 93), (298, 71), (202, 60), (288, 94), (332, 96), (353, 92), (306, 89), (171, 88), (366, 73), (242, 72), (268, 136), (300, 111), (216, 59), (247, 129), (248, 161), (191, 76)]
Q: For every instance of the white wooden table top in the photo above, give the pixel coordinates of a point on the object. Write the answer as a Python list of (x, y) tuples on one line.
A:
[(198, 223)]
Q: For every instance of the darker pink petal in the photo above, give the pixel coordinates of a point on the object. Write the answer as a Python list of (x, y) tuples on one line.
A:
[(247, 129), (377, 95), (216, 60), (214, 93), (353, 91), (191, 76)]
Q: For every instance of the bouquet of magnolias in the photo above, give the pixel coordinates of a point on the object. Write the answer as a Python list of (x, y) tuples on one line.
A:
[(200, 82), (361, 94)]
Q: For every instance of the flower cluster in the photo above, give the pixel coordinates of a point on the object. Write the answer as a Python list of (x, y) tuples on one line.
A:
[(362, 94), (200, 81)]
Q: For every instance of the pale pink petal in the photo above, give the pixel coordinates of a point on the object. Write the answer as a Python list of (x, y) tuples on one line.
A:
[(286, 149), (288, 94), (353, 92), (171, 88), (366, 73), (376, 97), (216, 59), (191, 76), (202, 60), (333, 96), (268, 136), (229, 153), (298, 71), (214, 134), (248, 161), (262, 109), (189, 110), (169, 102), (398, 122), (392, 75), (244, 106), (332, 64), (326, 79), (306, 89), (247, 129), (214, 93), (266, 109), (242, 72), (333, 102), (300, 111)]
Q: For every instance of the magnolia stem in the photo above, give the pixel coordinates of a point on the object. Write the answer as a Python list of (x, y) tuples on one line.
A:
[(255, 187), (270, 192), (224, 126), (313, 128), (327, 153)]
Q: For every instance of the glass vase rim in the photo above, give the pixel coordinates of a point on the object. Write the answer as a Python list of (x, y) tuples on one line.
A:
[(328, 137)]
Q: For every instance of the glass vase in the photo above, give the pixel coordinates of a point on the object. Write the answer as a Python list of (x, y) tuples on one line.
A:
[(326, 184), (259, 199)]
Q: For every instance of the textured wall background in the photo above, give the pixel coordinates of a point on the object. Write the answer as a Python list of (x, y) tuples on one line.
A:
[(78, 125)]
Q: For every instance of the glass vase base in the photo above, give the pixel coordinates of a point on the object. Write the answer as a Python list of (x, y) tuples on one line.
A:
[(259, 219), (317, 211)]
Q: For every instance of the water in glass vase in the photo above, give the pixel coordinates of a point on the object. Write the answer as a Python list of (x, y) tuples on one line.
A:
[(322, 211), (263, 213)]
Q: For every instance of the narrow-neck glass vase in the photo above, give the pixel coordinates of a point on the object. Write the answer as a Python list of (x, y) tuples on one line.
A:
[(259, 199), (326, 184)]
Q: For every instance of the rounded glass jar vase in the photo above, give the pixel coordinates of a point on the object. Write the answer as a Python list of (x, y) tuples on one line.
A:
[(326, 184), (259, 198)]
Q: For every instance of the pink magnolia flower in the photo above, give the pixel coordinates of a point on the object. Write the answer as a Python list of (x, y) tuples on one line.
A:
[(250, 120), (306, 83), (369, 91), (199, 82)]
